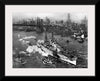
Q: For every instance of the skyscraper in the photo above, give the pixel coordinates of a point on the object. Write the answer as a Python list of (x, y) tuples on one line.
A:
[(84, 21), (68, 20)]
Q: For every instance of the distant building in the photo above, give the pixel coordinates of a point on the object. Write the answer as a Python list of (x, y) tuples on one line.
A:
[(84, 21), (69, 20)]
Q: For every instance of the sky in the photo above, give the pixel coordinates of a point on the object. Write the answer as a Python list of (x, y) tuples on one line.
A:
[(77, 17)]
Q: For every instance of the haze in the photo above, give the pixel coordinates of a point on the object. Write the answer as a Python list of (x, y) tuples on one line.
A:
[(77, 17)]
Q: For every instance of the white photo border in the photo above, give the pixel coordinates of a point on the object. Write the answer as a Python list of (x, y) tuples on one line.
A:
[(10, 71)]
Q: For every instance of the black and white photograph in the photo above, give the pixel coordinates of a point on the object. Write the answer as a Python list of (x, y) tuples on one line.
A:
[(50, 37), (50, 40)]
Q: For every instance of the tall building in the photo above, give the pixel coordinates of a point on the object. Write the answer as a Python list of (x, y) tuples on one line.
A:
[(68, 20), (84, 21)]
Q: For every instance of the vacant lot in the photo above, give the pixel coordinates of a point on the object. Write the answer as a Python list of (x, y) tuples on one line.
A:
[(35, 60)]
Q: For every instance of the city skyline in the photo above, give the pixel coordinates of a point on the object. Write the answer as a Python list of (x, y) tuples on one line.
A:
[(76, 17)]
